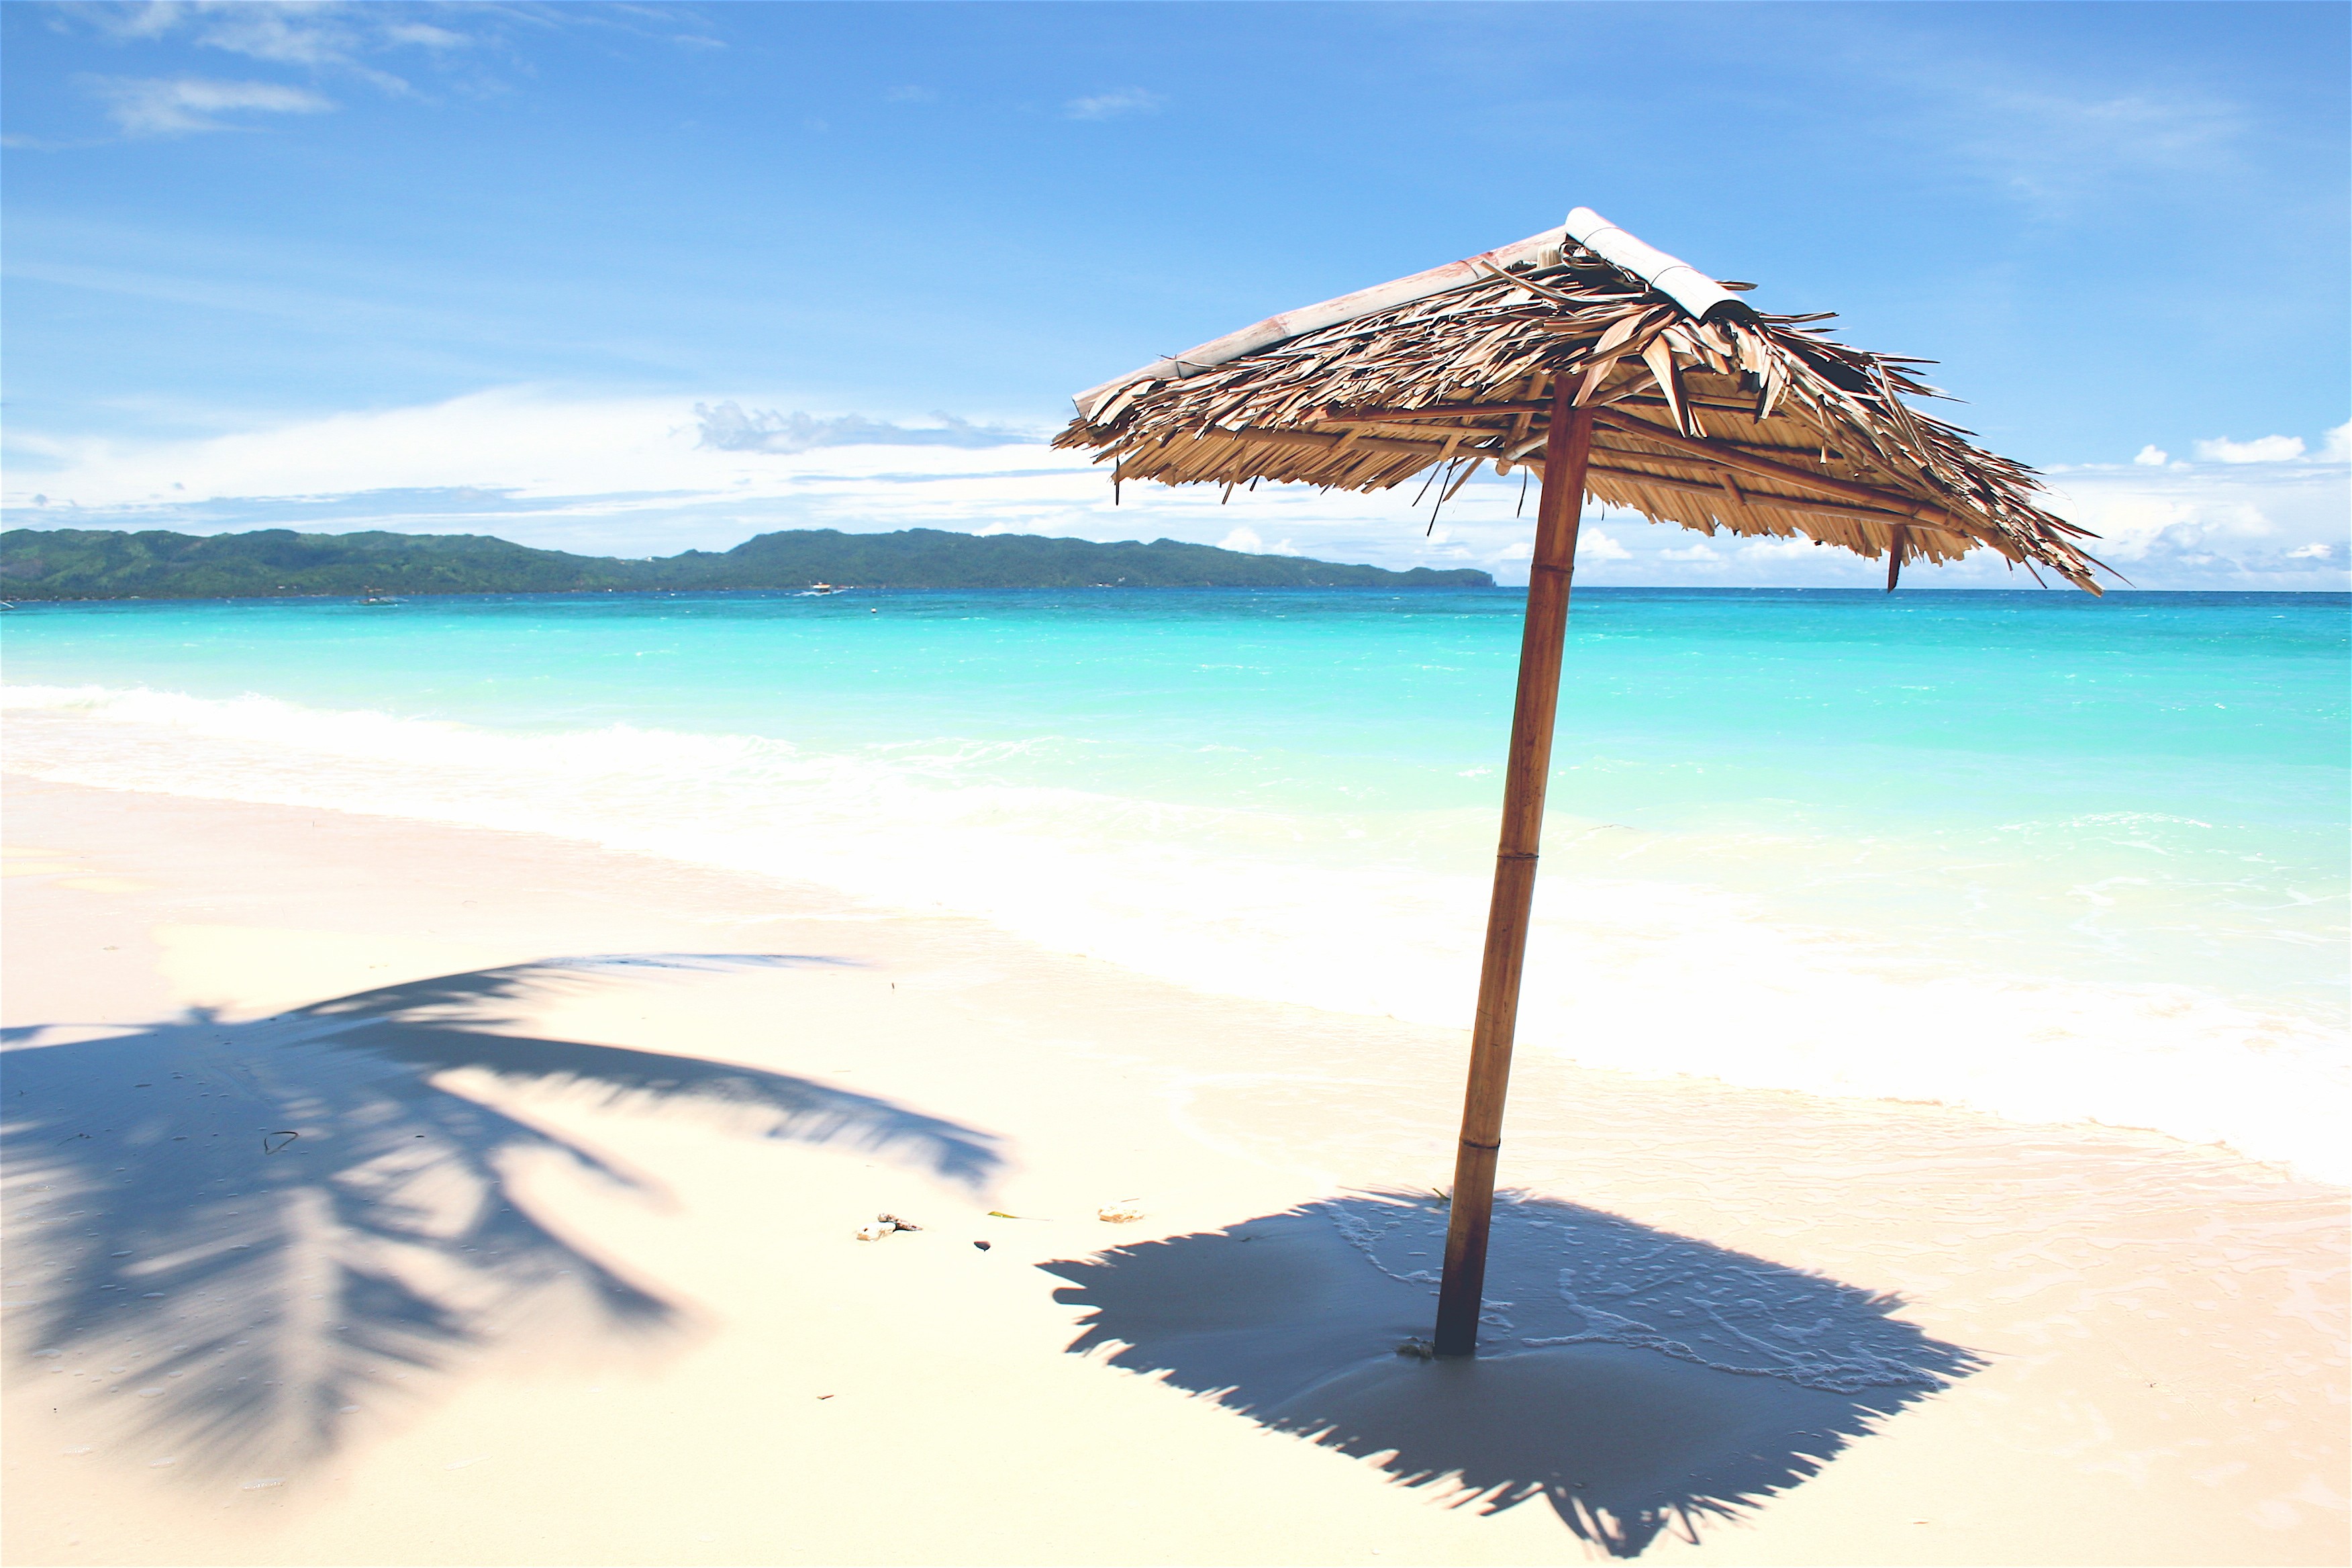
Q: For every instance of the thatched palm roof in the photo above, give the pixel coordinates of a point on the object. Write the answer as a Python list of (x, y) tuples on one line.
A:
[(1709, 414)]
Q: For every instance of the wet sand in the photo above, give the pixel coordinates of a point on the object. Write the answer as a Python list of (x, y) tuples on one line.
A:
[(383, 1191)]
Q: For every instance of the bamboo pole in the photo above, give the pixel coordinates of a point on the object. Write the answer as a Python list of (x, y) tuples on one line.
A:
[(1566, 450)]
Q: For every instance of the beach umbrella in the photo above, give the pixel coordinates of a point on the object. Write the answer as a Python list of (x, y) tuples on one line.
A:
[(1609, 369)]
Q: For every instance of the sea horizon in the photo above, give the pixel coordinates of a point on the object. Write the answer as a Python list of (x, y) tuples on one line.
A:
[(1582, 591)]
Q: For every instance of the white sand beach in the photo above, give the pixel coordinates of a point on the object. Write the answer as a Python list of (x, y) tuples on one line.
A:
[(388, 1192)]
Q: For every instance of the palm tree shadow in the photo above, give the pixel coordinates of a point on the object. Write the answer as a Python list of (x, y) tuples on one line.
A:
[(1639, 1380), (252, 1232)]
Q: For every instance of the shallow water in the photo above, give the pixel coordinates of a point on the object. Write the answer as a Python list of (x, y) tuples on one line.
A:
[(2058, 858)]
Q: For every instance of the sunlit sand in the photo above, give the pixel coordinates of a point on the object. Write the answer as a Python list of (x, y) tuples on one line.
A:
[(560, 1263)]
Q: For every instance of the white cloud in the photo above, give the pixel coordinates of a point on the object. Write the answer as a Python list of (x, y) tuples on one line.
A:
[(726, 427), (316, 35), (1776, 551), (631, 475), (2057, 148), (638, 476), (2281, 524), (2152, 457), (426, 35), (150, 20), (2336, 446), (1245, 540), (288, 33), (1109, 105), (2263, 449), (172, 106), (1593, 546)]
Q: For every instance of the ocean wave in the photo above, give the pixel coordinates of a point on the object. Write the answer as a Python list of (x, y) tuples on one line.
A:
[(1651, 975)]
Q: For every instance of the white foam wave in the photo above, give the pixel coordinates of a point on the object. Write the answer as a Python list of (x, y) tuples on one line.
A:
[(1648, 976)]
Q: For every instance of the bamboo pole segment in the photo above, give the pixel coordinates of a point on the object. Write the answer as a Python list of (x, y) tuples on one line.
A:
[(1558, 513)]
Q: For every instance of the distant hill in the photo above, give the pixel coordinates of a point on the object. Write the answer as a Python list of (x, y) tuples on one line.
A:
[(100, 563)]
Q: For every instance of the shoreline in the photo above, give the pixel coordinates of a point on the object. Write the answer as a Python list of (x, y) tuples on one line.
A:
[(2150, 1333), (1637, 936)]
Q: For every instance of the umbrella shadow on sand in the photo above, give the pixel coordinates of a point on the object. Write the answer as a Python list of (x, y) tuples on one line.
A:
[(241, 1235), (1638, 1381)]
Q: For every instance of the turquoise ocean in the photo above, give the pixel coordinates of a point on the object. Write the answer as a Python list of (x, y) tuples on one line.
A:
[(2059, 859)]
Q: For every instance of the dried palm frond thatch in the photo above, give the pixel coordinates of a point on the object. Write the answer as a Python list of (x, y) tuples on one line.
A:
[(1706, 413)]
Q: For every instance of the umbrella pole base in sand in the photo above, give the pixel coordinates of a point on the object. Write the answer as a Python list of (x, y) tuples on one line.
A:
[(1567, 448)]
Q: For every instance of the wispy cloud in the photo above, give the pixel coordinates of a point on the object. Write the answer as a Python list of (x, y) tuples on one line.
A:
[(288, 35), (314, 35), (2056, 150), (726, 427), (1111, 105), (2058, 135), (152, 19), (425, 36), (285, 32), (177, 106), (2262, 449)]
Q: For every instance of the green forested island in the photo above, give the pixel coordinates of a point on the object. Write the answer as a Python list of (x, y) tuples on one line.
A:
[(100, 563)]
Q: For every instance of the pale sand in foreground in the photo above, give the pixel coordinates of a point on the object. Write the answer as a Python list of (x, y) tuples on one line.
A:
[(561, 1267)]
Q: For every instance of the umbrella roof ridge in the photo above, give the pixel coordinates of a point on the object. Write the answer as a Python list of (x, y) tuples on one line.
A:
[(1708, 413)]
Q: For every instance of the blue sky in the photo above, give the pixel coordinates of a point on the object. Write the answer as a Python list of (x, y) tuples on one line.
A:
[(639, 277)]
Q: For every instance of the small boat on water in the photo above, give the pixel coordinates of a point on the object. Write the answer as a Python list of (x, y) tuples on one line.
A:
[(378, 599), (819, 588)]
